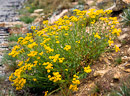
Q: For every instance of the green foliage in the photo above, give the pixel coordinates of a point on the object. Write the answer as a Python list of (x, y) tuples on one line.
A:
[(126, 17), (27, 19)]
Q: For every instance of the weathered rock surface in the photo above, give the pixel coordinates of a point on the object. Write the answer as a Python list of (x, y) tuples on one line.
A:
[(122, 36), (56, 17), (34, 15), (8, 18), (38, 10), (118, 5), (8, 9)]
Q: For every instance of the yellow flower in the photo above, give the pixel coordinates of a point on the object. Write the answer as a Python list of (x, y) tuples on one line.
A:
[(75, 76), (34, 79), (46, 93), (75, 82), (32, 53), (61, 59), (108, 11), (33, 27), (57, 42), (56, 77), (116, 31), (67, 47), (41, 53), (66, 34), (48, 49), (117, 48), (66, 69), (20, 63), (97, 36), (73, 87), (27, 60), (78, 41), (45, 22), (110, 42), (38, 57), (66, 17), (48, 71), (32, 45), (49, 76)]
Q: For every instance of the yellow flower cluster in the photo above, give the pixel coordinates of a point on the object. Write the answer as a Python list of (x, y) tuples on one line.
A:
[(45, 41), (55, 78), (67, 47), (87, 69), (18, 82), (97, 36), (56, 57), (110, 42), (32, 53), (74, 84), (112, 21), (16, 78), (20, 63), (80, 13), (26, 40), (14, 51), (116, 31), (33, 27), (48, 49), (45, 22), (48, 66), (32, 45)]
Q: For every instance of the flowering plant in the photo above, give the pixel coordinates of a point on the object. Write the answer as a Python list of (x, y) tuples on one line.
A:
[(59, 55)]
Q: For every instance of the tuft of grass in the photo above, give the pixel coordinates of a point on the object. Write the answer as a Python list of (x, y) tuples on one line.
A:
[(27, 19), (14, 37), (123, 89), (118, 60), (124, 42), (126, 17), (95, 89), (9, 61), (17, 26)]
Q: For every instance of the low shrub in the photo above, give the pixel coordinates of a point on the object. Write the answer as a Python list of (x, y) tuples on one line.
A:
[(126, 17), (59, 55)]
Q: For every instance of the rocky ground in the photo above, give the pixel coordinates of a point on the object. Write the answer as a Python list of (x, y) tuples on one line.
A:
[(8, 16)]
